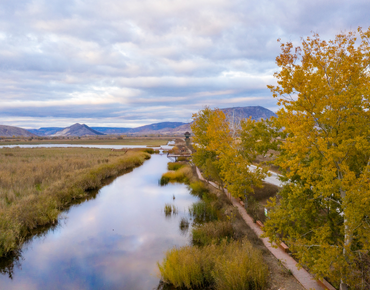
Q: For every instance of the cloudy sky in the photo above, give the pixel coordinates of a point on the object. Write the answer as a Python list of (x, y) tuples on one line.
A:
[(127, 63)]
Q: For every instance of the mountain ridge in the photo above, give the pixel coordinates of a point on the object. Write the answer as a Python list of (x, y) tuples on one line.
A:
[(10, 131), (77, 130), (233, 114)]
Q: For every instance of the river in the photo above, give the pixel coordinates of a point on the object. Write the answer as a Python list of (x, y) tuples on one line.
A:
[(112, 241), (165, 147)]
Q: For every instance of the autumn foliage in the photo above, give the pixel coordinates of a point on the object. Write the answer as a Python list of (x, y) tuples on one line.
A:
[(324, 210)]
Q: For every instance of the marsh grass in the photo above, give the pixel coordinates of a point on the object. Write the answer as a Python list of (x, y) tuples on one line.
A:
[(170, 209), (167, 209), (181, 175), (101, 140), (184, 224), (36, 184), (202, 212), (175, 165), (212, 233), (235, 265)]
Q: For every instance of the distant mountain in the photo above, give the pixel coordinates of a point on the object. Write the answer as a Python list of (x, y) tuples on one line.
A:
[(10, 131), (236, 114), (45, 131), (256, 112), (156, 127), (141, 129), (111, 130), (77, 130)]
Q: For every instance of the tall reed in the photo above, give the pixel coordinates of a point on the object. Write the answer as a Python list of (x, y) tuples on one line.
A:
[(235, 265), (212, 232)]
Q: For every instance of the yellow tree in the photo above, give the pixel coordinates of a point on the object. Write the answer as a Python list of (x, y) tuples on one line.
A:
[(324, 210), (204, 157), (228, 150)]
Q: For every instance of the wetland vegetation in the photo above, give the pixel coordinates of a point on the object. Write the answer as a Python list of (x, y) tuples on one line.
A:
[(36, 184), (217, 258), (88, 140)]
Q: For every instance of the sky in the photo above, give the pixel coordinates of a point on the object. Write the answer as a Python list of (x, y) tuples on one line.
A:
[(127, 63)]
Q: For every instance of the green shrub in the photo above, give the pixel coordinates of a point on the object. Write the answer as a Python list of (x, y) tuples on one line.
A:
[(198, 188), (212, 232)]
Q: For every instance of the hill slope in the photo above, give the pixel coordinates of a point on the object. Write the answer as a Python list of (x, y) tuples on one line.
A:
[(156, 127), (77, 130), (45, 131), (9, 131), (256, 112)]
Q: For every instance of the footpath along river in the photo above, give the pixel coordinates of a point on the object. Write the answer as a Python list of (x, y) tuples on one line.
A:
[(112, 241)]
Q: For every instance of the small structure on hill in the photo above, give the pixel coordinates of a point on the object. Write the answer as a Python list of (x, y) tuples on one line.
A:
[(187, 135)]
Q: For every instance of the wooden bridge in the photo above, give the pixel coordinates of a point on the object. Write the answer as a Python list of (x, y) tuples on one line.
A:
[(176, 156)]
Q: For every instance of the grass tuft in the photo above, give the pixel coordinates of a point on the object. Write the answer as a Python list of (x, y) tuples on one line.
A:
[(175, 165), (182, 175), (170, 209), (212, 233), (235, 265), (202, 212)]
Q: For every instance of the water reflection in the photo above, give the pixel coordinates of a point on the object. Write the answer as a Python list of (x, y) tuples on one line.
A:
[(110, 242)]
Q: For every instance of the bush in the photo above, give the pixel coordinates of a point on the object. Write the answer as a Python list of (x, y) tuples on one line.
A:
[(199, 189), (212, 233), (236, 265)]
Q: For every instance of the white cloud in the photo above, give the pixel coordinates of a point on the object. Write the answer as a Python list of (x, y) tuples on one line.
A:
[(122, 58)]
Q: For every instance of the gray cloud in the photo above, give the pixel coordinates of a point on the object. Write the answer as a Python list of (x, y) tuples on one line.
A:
[(127, 63)]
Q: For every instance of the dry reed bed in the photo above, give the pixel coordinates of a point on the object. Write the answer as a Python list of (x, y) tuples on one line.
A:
[(36, 184)]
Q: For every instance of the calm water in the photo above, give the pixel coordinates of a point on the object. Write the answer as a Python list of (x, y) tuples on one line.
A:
[(110, 242), (166, 147)]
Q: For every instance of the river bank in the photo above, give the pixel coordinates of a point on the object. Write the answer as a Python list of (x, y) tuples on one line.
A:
[(37, 184), (111, 241)]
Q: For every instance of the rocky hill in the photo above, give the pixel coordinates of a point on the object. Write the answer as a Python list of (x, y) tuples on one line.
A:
[(77, 130), (156, 127), (45, 131), (10, 131), (256, 112)]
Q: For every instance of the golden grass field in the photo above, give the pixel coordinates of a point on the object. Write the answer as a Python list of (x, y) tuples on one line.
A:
[(36, 184), (150, 141)]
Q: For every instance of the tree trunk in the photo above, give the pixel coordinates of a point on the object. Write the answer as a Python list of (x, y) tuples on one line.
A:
[(343, 286)]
